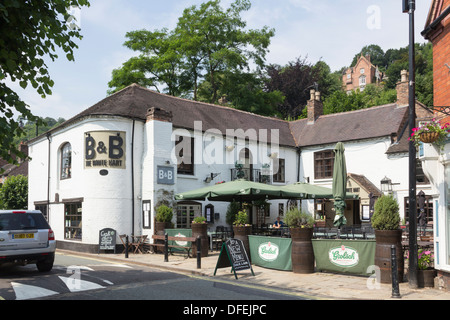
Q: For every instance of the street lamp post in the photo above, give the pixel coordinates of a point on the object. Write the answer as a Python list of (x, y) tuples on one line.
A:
[(409, 6)]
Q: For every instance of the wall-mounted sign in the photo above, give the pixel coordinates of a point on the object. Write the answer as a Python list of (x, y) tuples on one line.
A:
[(165, 175), (104, 149)]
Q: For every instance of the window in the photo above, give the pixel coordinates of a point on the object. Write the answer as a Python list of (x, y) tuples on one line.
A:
[(146, 214), (281, 209), (72, 220), (66, 161), (361, 70), (362, 80), (279, 174), (184, 151), (323, 164), (186, 213)]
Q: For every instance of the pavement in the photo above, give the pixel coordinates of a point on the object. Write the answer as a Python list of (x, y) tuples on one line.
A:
[(318, 285)]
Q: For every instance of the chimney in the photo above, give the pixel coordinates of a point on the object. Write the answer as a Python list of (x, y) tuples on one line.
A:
[(159, 114), (315, 107), (403, 89)]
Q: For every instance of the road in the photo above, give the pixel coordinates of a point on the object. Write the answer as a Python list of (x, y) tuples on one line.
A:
[(80, 278)]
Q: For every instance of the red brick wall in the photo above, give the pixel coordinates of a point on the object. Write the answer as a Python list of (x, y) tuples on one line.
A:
[(441, 56)]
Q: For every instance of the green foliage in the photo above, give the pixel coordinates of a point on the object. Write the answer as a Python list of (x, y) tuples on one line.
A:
[(372, 95), (241, 218), (295, 218), (164, 214), (232, 211), (386, 214), (209, 49), (14, 193), (29, 31), (199, 220)]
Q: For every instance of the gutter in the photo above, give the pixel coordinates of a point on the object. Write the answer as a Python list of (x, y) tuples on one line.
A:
[(434, 25), (132, 179)]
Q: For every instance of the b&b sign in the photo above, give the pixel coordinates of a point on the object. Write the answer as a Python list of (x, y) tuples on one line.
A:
[(165, 175), (104, 149)]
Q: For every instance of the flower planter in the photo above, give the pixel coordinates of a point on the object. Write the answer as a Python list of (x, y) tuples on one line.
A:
[(425, 278), (302, 250), (429, 137), (242, 233), (384, 240), (200, 229)]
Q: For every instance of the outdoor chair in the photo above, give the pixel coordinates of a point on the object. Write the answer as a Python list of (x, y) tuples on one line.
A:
[(219, 237), (320, 233), (346, 232), (358, 232)]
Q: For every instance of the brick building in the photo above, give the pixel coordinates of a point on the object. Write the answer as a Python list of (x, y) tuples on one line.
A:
[(436, 162), (437, 30), (363, 73)]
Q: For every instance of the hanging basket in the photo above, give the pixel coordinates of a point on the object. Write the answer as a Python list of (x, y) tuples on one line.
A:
[(429, 137)]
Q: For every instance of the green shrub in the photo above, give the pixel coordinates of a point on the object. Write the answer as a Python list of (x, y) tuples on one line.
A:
[(199, 220), (296, 218), (232, 210), (386, 214), (241, 218), (164, 214), (14, 193)]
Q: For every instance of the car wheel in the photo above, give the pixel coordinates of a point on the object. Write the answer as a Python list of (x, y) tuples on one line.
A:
[(45, 265)]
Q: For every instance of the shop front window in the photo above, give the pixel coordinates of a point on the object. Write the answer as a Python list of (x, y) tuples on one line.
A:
[(73, 221)]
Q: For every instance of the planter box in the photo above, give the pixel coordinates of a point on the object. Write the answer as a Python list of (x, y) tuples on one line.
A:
[(302, 250), (384, 240)]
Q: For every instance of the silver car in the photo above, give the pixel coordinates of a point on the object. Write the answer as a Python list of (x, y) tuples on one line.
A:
[(26, 237)]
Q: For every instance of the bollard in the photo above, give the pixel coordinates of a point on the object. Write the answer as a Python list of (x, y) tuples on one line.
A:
[(395, 287), (166, 247), (126, 248), (199, 252)]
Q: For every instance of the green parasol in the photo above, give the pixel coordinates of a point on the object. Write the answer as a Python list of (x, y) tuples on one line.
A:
[(238, 190), (339, 184)]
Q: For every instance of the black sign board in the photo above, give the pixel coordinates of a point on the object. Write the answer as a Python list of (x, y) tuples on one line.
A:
[(233, 255), (107, 239)]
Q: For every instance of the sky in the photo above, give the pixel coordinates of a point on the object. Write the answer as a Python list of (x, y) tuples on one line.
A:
[(329, 30)]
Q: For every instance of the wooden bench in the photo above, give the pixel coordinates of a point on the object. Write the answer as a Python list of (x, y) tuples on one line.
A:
[(172, 246)]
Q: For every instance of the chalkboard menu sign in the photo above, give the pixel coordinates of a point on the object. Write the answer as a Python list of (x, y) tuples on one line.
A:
[(233, 255), (107, 239)]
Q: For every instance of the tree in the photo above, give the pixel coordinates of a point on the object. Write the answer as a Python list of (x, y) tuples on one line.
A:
[(14, 193), (377, 55), (293, 81), (30, 30), (208, 44)]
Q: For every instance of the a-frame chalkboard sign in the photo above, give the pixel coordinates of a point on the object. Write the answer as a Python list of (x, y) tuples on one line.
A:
[(233, 255)]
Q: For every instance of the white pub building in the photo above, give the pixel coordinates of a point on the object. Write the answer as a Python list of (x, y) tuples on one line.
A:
[(113, 164)]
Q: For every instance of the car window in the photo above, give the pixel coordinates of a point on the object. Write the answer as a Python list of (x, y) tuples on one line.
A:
[(20, 221)]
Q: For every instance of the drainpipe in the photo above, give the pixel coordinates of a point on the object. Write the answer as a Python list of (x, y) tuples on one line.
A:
[(48, 176), (132, 179), (299, 155)]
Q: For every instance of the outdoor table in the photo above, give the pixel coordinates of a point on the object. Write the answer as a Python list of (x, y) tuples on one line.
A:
[(271, 252)]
